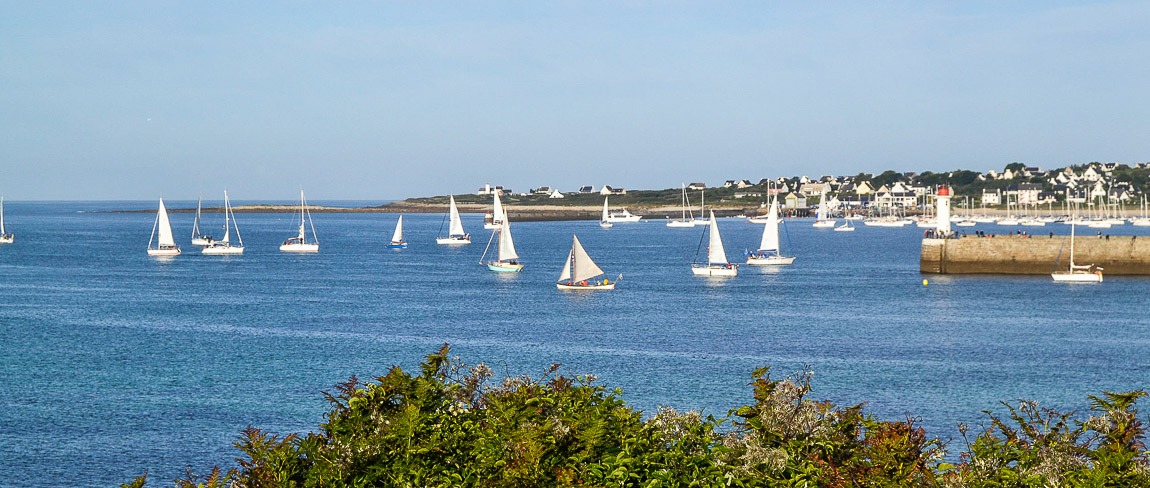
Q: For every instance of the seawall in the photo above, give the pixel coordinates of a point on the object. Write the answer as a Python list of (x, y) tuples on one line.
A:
[(1118, 255)]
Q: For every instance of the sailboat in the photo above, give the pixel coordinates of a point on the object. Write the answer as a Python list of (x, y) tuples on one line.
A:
[(223, 246), (846, 227), (166, 244), (579, 268), (5, 237), (497, 215), (702, 207), (299, 243), (821, 220), (685, 221), (397, 241), (717, 264), (603, 222), (507, 260), (455, 234), (1075, 273), (768, 252), (197, 238)]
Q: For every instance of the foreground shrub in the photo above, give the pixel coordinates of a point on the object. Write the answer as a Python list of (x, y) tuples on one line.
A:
[(448, 426)]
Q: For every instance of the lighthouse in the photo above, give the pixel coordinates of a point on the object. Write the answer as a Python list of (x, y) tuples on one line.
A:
[(943, 213)]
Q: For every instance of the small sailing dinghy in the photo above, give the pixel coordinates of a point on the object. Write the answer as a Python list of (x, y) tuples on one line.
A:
[(768, 252), (5, 237), (397, 241), (497, 215), (603, 222), (579, 270), (1076, 273), (166, 244), (507, 260), (821, 220), (846, 227), (717, 264), (224, 246), (455, 234), (299, 242), (197, 238)]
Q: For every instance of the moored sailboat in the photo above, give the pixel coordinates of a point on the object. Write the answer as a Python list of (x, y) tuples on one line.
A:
[(1076, 273), (717, 264), (299, 242), (685, 209), (821, 220), (579, 270), (455, 233), (224, 246), (507, 260), (397, 241), (166, 244)]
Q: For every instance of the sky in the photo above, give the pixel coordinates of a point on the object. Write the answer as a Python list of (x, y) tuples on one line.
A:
[(389, 100)]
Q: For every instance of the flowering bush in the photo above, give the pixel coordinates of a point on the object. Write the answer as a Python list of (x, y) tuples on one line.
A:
[(448, 426)]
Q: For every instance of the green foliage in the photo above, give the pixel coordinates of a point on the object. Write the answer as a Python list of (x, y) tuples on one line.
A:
[(448, 426)]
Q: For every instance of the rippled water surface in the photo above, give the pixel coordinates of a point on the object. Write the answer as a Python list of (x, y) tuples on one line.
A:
[(113, 363)]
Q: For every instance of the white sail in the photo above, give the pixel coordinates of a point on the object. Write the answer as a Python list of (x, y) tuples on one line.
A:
[(715, 252), (456, 228), (398, 235), (604, 218), (822, 207), (770, 240), (506, 245), (196, 223), (566, 273), (497, 215), (165, 226), (585, 268), (2, 216)]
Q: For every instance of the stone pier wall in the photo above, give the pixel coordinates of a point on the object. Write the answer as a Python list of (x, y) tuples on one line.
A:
[(1118, 255)]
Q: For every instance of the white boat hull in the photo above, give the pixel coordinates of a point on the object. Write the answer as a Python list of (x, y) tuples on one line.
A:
[(223, 250), (200, 241), (701, 222), (299, 247), (1140, 223), (175, 251), (680, 223), (491, 226), (724, 271), (1032, 223), (606, 225), (770, 260), (844, 228), (453, 240), (616, 220), (1065, 277), (9, 238), (926, 224), (757, 220), (1007, 222), (1099, 225), (589, 286), (965, 223), (823, 224)]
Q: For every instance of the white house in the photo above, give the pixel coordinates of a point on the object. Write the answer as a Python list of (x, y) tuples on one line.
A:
[(555, 193), (610, 190), (991, 196)]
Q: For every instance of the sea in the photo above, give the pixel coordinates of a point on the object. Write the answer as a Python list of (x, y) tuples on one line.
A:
[(114, 364)]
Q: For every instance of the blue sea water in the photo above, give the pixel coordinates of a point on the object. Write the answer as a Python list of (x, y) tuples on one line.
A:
[(113, 363)]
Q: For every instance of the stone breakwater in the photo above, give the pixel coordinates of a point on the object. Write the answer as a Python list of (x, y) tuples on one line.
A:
[(1118, 255)]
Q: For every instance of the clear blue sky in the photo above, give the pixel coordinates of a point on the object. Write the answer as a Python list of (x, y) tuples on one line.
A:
[(386, 100)]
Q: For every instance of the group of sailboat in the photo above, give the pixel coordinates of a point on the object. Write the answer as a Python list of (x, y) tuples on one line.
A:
[(165, 244)]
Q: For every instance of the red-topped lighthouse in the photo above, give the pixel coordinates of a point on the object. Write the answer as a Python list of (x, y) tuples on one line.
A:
[(943, 213)]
